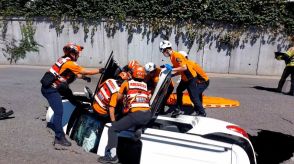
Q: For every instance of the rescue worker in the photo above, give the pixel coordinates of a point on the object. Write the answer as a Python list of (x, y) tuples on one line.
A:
[(202, 78), (152, 79), (138, 108), (106, 96), (289, 70), (55, 83), (188, 77), (130, 66)]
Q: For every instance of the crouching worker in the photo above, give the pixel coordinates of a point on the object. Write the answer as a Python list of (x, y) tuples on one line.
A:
[(152, 79), (105, 99), (138, 108), (56, 82)]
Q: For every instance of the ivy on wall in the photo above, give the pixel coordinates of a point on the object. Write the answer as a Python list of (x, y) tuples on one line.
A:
[(15, 50), (264, 14), (158, 17)]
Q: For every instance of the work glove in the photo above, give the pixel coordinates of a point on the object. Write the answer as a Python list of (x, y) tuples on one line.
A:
[(87, 79), (102, 70), (167, 66)]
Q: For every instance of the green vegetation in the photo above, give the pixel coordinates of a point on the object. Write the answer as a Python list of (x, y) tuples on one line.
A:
[(14, 50), (192, 19), (274, 14)]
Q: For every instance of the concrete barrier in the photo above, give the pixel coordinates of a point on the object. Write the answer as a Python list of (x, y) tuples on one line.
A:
[(254, 58)]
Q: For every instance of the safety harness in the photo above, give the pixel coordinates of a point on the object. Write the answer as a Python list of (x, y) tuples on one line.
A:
[(55, 71)]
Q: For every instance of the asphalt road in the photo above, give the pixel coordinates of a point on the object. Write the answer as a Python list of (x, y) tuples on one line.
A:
[(268, 117)]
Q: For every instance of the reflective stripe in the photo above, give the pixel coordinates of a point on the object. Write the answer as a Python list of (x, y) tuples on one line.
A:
[(138, 96), (104, 93), (63, 60), (99, 102), (137, 85), (55, 71), (141, 105), (112, 85), (108, 88), (60, 78)]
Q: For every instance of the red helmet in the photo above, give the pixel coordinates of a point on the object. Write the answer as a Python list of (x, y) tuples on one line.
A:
[(139, 72), (71, 47), (132, 64)]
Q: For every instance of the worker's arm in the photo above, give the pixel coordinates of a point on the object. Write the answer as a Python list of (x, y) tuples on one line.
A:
[(180, 69), (91, 71), (112, 113), (112, 105)]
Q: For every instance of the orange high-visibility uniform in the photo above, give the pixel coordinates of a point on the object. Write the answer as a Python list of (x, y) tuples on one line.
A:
[(65, 71), (137, 96), (178, 60), (106, 96)]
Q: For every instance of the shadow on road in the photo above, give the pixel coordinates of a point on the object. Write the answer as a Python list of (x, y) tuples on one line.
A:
[(266, 89), (272, 147)]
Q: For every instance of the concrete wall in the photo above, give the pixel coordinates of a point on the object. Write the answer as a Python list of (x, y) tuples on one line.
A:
[(250, 56)]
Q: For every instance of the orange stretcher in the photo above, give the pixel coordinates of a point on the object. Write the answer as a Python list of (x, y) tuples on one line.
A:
[(208, 101)]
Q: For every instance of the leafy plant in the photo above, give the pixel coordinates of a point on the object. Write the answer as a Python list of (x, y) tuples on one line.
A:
[(161, 15), (15, 50)]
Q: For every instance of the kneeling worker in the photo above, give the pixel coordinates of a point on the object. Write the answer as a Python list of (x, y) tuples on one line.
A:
[(139, 113), (106, 96)]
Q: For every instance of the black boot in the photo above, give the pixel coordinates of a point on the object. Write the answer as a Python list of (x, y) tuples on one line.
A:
[(202, 113), (62, 141), (176, 112), (108, 158)]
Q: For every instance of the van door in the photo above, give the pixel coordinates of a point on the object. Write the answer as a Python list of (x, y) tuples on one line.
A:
[(111, 68), (159, 146)]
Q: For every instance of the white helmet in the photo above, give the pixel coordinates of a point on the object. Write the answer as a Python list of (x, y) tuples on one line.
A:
[(184, 53), (149, 67), (164, 44)]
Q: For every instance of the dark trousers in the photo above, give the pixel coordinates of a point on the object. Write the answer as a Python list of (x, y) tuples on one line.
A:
[(289, 70), (66, 92), (194, 93), (54, 99), (136, 119), (202, 87)]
